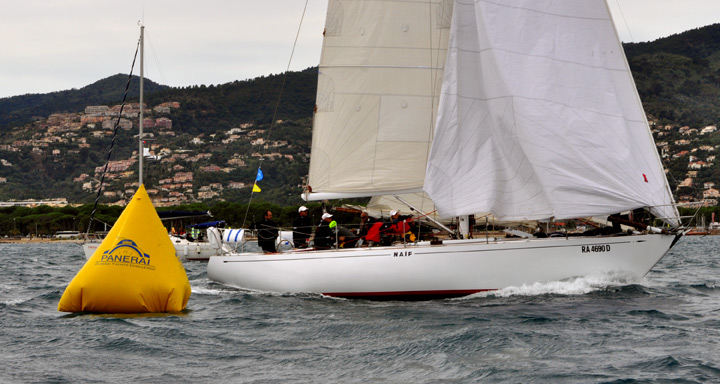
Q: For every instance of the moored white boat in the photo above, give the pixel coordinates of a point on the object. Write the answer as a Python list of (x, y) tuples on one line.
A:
[(538, 119), (90, 246), (185, 250)]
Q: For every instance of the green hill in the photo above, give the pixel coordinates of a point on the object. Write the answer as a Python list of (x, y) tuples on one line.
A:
[(18, 110), (678, 77)]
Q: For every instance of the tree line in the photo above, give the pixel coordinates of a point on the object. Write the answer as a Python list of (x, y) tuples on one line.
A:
[(45, 221)]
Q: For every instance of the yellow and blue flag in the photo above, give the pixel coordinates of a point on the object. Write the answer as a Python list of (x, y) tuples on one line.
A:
[(257, 178)]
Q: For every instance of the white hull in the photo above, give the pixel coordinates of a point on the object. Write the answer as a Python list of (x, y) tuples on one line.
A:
[(455, 268), (89, 247)]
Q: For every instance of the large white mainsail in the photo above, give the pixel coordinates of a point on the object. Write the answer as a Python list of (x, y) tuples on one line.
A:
[(378, 89), (544, 120)]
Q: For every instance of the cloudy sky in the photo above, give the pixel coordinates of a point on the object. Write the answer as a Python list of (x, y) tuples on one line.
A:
[(53, 45)]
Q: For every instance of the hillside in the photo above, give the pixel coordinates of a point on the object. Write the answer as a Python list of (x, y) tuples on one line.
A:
[(678, 77)]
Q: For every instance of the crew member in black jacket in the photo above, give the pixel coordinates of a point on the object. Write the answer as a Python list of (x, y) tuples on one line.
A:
[(324, 234), (302, 228), (267, 232)]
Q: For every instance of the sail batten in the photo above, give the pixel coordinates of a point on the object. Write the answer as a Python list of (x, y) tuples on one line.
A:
[(541, 121)]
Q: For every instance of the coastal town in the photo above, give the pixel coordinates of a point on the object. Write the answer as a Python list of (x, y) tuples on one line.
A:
[(689, 158), (174, 161), (688, 153)]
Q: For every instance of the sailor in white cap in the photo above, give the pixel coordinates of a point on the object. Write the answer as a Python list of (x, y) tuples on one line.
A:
[(324, 235), (302, 228)]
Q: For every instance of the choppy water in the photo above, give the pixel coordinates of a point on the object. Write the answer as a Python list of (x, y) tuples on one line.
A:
[(598, 329)]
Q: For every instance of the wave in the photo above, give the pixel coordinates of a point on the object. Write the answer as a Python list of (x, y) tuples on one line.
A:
[(570, 287), (206, 291), (12, 302)]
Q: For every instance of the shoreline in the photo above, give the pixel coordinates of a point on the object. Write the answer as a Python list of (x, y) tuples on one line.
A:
[(39, 240)]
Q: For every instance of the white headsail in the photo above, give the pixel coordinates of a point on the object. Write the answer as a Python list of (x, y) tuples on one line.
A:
[(378, 89), (544, 120)]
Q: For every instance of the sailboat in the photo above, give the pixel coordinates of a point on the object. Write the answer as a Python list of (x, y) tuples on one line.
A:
[(520, 109)]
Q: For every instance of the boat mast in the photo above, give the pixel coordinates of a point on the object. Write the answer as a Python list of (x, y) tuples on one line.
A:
[(140, 123)]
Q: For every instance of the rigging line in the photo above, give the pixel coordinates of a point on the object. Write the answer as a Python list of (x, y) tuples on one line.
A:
[(282, 86), (622, 14), (277, 104), (433, 75), (112, 142), (432, 92), (247, 209), (157, 61)]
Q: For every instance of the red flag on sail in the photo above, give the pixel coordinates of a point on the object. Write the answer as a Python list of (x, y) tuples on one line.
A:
[(645, 177)]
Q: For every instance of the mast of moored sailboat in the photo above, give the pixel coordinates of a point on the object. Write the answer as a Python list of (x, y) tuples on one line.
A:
[(140, 122)]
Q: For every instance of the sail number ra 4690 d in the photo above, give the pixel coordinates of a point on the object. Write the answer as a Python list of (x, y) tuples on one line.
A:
[(596, 248)]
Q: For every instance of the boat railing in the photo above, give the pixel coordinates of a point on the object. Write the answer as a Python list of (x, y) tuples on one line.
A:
[(343, 240)]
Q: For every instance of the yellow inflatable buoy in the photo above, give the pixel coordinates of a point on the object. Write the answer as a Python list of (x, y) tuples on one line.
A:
[(134, 270)]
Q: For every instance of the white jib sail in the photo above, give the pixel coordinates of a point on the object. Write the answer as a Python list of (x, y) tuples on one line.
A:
[(378, 89), (539, 117)]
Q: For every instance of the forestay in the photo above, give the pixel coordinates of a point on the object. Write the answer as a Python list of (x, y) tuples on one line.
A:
[(539, 117), (378, 89)]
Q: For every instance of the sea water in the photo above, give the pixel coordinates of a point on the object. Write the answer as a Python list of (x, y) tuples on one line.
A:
[(664, 327)]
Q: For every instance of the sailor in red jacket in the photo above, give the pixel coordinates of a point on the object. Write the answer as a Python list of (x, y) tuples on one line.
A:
[(401, 225)]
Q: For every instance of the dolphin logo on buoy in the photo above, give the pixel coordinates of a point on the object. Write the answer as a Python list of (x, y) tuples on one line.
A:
[(127, 243), (126, 251)]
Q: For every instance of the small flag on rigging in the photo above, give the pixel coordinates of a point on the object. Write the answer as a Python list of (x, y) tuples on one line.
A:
[(257, 178)]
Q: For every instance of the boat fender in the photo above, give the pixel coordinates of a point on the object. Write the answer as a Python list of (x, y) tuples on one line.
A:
[(234, 236), (214, 238), (652, 229)]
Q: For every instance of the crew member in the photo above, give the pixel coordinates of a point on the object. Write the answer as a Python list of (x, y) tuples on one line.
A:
[(402, 225), (267, 232), (324, 234), (302, 228)]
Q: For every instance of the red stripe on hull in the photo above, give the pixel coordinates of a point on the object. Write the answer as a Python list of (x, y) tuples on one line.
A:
[(406, 295)]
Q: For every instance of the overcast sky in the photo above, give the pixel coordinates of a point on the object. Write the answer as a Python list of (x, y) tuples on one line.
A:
[(54, 45)]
